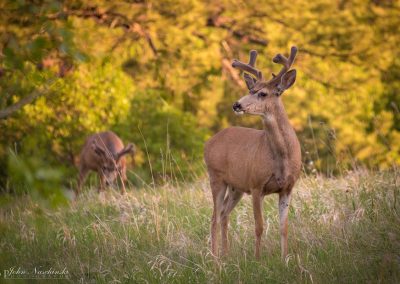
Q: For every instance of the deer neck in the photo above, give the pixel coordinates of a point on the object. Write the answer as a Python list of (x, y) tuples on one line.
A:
[(278, 129)]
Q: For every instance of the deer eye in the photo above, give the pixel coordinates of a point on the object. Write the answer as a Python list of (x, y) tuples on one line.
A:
[(262, 94)]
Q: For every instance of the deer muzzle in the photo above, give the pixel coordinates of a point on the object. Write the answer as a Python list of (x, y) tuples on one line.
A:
[(237, 108)]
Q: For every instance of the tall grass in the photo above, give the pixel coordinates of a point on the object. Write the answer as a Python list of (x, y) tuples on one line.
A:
[(341, 230)]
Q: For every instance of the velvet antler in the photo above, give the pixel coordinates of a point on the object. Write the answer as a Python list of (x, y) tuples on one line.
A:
[(250, 68)]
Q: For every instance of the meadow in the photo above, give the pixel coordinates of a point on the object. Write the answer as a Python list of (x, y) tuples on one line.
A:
[(341, 230)]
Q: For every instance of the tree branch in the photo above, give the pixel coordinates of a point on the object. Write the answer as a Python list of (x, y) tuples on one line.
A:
[(6, 112), (218, 21), (227, 65), (112, 19)]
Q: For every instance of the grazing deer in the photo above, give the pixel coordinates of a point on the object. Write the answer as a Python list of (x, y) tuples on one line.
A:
[(258, 162), (104, 153)]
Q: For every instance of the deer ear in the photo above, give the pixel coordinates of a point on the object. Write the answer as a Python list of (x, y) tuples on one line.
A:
[(130, 148), (288, 80), (97, 149)]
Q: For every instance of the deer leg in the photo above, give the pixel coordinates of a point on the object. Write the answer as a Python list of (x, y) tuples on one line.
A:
[(102, 183), (230, 202), (284, 201), (123, 180), (218, 189), (81, 179), (259, 220)]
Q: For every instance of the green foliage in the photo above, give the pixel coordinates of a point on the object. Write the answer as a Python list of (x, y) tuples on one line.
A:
[(31, 175), (170, 141), (31, 33)]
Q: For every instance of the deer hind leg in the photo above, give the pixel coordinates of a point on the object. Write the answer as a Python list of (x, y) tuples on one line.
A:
[(259, 220), (232, 199), (218, 189), (284, 201)]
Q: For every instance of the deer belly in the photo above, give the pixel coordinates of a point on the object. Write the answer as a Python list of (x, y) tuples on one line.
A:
[(246, 180)]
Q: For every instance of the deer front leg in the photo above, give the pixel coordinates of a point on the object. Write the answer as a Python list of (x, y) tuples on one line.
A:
[(102, 182), (259, 220), (123, 179), (230, 202), (218, 189), (284, 201), (81, 179)]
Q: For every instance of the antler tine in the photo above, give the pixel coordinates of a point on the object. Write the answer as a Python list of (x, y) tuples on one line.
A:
[(247, 68), (250, 66), (293, 53), (250, 81), (286, 62), (253, 57)]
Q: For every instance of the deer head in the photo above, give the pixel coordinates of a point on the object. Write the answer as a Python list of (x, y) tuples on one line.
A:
[(264, 95), (109, 162)]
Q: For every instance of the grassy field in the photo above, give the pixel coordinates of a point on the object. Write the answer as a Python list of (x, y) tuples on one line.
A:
[(341, 230)]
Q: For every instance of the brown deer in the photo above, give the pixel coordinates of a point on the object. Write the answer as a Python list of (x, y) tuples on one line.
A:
[(258, 162), (104, 153)]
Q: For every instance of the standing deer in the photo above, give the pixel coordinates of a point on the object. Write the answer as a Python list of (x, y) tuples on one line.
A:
[(104, 153), (258, 162)]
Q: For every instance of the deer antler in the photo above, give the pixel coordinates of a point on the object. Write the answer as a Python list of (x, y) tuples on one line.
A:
[(249, 68), (250, 81), (286, 62)]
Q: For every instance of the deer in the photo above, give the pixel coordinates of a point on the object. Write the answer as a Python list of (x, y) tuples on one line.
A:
[(104, 153), (257, 162)]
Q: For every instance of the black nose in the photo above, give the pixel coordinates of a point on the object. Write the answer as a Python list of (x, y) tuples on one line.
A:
[(237, 106)]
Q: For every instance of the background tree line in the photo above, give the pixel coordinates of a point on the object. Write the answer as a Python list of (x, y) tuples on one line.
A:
[(159, 74)]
